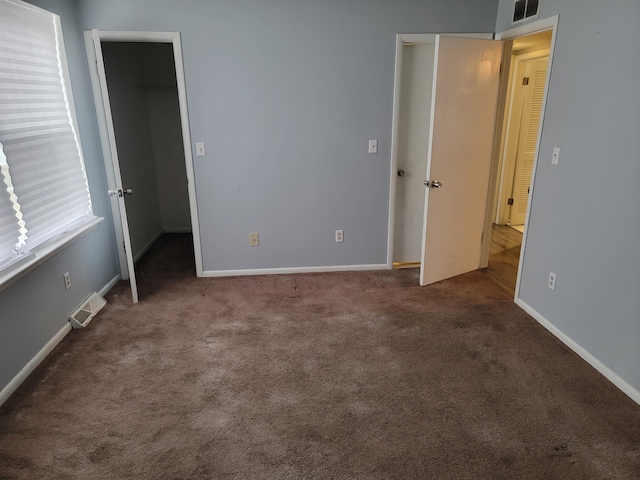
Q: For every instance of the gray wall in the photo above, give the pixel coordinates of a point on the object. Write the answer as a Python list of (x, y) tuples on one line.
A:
[(168, 156), (585, 212), (166, 135), (36, 307), (286, 95)]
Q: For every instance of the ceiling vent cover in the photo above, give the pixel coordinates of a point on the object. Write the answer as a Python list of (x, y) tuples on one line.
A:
[(525, 10), (85, 312)]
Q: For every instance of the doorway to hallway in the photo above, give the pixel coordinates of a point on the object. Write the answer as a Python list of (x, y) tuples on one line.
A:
[(526, 86)]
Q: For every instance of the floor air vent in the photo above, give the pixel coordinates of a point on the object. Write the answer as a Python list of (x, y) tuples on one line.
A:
[(85, 313)]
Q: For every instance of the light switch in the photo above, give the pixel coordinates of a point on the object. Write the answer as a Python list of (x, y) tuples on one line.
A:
[(373, 146), (200, 149), (556, 156)]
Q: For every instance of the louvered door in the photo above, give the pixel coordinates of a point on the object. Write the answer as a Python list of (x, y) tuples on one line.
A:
[(528, 137)]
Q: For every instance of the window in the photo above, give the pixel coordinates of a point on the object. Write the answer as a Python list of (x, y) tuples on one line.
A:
[(44, 194)]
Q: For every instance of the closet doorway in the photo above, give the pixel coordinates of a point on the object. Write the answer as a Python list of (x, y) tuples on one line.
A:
[(138, 91)]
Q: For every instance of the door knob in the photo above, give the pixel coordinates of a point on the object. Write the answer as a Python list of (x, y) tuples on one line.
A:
[(401, 172), (120, 193), (432, 184)]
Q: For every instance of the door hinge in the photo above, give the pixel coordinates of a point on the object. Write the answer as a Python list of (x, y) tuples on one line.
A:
[(525, 80), (510, 201), (124, 246)]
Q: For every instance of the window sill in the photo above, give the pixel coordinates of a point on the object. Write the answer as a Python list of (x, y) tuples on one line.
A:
[(43, 252)]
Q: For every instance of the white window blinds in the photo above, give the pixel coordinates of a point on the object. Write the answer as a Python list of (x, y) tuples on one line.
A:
[(43, 186)]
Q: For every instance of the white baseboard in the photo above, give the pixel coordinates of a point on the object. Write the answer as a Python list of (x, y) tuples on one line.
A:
[(282, 271), (35, 361), (609, 374), (46, 350), (146, 248), (104, 290)]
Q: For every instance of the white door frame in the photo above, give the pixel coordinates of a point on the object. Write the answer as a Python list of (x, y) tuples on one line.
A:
[(146, 37), (401, 40), (550, 23)]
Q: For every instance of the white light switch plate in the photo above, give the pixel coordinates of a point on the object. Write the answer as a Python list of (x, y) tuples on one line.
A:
[(200, 149), (556, 156), (373, 146)]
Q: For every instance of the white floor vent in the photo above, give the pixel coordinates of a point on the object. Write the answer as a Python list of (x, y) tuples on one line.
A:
[(85, 313)]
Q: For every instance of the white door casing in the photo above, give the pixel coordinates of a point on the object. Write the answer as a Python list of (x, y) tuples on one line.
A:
[(463, 110)]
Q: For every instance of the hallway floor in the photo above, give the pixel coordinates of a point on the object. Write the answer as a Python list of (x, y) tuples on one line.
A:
[(504, 256)]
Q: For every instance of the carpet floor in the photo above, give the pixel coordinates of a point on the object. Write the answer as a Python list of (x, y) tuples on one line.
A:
[(315, 376)]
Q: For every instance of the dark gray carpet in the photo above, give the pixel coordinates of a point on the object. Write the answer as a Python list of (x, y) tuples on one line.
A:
[(316, 376)]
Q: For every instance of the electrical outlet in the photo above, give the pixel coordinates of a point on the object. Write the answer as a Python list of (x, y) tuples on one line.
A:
[(67, 280), (339, 236), (254, 241), (552, 281)]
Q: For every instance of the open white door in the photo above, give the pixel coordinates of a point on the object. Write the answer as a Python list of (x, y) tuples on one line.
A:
[(463, 109), (117, 191)]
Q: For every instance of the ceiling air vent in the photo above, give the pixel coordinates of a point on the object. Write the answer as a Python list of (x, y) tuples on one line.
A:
[(525, 10)]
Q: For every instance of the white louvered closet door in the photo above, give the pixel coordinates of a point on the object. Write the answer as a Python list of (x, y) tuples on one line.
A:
[(528, 138)]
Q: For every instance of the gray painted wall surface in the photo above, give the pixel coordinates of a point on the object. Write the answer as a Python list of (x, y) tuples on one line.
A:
[(123, 66), (286, 95), (166, 135), (36, 307), (168, 155), (585, 220)]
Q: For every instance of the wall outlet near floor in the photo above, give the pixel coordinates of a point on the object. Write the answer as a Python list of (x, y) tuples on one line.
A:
[(339, 236), (552, 281), (254, 241), (67, 280)]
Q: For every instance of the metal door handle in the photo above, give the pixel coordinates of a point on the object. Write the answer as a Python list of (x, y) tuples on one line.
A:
[(432, 184), (120, 193), (401, 172)]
